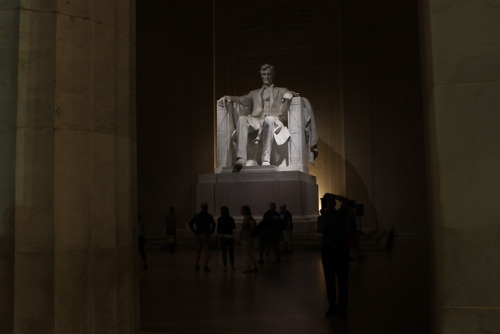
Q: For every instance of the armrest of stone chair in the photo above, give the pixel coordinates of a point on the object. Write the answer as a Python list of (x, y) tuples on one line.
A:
[(296, 142), (227, 117), (225, 127), (303, 135)]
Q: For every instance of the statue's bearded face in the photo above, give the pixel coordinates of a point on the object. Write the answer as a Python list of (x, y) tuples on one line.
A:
[(267, 76)]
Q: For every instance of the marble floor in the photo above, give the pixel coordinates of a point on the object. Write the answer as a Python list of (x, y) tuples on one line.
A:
[(389, 294)]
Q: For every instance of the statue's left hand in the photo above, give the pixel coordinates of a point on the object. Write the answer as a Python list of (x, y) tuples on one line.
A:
[(278, 127), (315, 152)]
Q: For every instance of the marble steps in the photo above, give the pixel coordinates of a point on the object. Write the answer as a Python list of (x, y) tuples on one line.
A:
[(370, 239)]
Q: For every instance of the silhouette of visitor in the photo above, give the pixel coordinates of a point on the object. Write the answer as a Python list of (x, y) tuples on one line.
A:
[(225, 227), (352, 229), (141, 239), (270, 233), (203, 225), (247, 237), (171, 228), (332, 224), (287, 229)]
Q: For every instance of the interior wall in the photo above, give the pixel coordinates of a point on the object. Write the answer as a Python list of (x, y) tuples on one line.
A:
[(175, 112), (381, 89), (369, 106)]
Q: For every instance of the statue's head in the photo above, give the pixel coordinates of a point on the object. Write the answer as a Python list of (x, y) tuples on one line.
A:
[(267, 74)]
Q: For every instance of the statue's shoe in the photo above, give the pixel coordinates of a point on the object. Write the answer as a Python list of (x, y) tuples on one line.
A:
[(241, 162), (239, 165), (266, 163)]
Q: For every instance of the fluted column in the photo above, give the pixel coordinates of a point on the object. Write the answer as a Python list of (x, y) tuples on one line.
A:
[(9, 36), (460, 43), (68, 183)]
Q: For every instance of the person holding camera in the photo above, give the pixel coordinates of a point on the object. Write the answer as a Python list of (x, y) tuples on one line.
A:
[(332, 224)]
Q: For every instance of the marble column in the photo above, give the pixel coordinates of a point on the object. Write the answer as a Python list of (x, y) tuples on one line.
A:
[(462, 71), (67, 191)]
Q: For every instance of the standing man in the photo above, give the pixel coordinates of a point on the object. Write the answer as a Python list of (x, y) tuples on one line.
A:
[(226, 227), (171, 227), (141, 239), (202, 225), (287, 229), (332, 224), (270, 233), (269, 110)]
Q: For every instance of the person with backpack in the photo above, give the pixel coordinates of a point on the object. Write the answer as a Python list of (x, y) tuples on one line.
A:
[(202, 225), (270, 233)]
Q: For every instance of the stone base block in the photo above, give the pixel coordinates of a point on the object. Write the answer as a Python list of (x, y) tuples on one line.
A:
[(257, 186)]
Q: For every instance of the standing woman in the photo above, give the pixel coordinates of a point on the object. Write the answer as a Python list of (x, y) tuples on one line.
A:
[(225, 227), (247, 237)]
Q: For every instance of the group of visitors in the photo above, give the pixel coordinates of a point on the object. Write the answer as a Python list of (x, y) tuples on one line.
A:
[(335, 224), (274, 227)]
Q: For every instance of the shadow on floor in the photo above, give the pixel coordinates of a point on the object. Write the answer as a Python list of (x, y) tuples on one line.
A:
[(389, 293)]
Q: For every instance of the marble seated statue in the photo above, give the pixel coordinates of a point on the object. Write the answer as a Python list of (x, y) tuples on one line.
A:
[(270, 126)]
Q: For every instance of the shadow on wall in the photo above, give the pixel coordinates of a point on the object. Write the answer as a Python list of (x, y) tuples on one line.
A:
[(355, 186), (357, 191)]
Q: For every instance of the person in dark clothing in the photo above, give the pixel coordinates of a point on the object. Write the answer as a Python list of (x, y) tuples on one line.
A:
[(141, 239), (202, 225), (171, 228), (287, 229), (270, 233), (225, 227), (332, 224), (247, 236)]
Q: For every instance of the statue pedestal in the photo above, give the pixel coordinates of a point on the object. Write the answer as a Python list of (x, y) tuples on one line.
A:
[(257, 186)]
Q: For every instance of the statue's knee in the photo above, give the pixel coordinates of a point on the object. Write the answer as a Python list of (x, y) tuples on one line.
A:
[(242, 120), (269, 120)]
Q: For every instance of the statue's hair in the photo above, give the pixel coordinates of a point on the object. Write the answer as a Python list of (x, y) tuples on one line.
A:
[(267, 67)]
